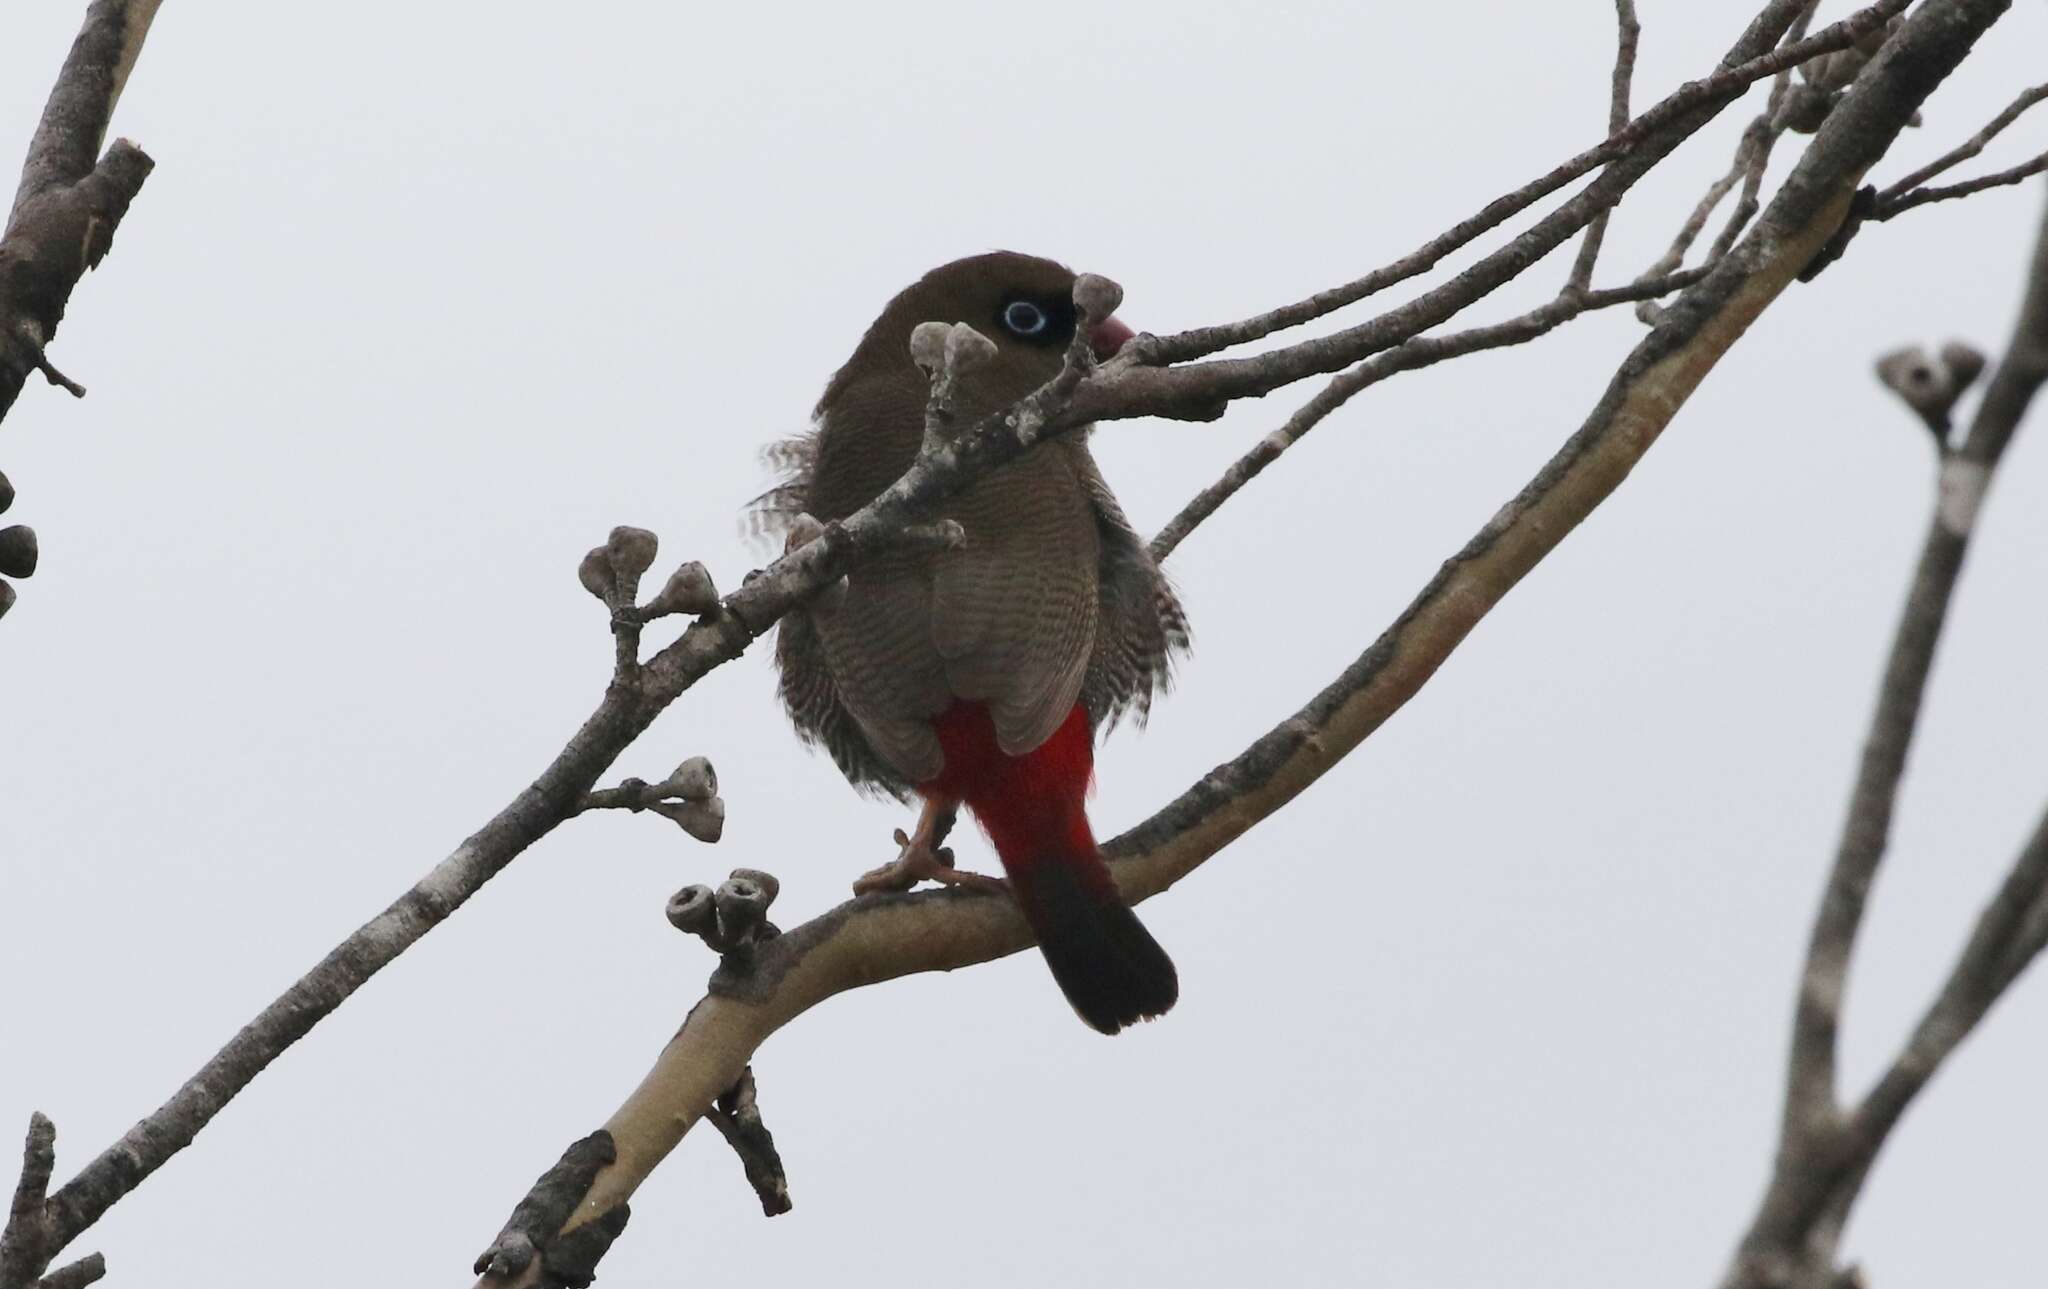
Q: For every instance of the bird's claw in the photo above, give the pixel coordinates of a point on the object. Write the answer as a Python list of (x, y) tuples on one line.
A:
[(919, 861)]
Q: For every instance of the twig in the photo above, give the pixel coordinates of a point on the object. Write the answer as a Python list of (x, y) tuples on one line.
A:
[(635, 697), (1663, 371), (694, 780), (67, 208), (1823, 1155), (1753, 154), (880, 938), (1703, 210), (27, 1242), (89, 1269), (22, 1242), (1422, 351), (1810, 1101), (1995, 955), (1899, 205), (1968, 148), (737, 1116), (57, 378), (1750, 61), (688, 798), (1752, 157), (1627, 32)]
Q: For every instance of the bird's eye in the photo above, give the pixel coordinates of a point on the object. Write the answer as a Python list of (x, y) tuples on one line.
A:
[(1024, 317)]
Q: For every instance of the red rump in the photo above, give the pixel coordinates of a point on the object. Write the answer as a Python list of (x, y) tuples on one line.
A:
[(1028, 804), (1033, 808)]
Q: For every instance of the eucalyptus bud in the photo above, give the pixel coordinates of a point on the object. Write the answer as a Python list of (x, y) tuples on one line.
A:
[(18, 550), (704, 820), (595, 572), (692, 910), (632, 552), (1965, 363), (742, 904), (688, 590), (1096, 297), (928, 345), (693, 780), (967, 349)]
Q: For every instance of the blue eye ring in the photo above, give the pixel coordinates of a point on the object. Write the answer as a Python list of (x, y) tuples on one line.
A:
[(1025, 318)]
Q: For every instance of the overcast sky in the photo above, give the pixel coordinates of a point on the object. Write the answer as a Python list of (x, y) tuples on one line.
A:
[(420, 302)]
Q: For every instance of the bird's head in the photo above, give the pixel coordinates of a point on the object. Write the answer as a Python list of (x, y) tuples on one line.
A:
[(1023, 303)]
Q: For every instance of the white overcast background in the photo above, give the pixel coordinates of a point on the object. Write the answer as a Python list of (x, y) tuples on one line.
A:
[(422, 299)]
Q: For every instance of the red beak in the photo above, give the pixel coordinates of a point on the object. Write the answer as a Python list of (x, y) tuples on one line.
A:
[(1108, 336)]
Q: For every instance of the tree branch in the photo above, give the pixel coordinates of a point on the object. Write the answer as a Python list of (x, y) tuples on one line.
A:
[(1823, 1155), (1656, 380), (66, 208), (1628, 31), (880, 938), (1968, 148), (737, 1116), (1887, 209), (1752, 157), (1423, 351), (1752, 59)]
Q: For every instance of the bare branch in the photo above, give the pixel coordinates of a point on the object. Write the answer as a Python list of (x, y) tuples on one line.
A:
[(66, 208), (1810, 1098), (737, 1116), (1423, 351), (1823, 1155), (81, 105), (1899, 205), (1751, 60), (89, 1269), (1627, 32), (24, 1240), (29, 1240), (535, 812), (1752, 158), (1992, 959), (1656, 380), (882, 937), (1968, 148)]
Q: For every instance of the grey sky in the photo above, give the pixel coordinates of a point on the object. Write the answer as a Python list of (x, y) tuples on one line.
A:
[(418, 304)]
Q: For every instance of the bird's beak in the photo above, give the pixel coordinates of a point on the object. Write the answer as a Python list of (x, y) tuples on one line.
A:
[(1108, 336)]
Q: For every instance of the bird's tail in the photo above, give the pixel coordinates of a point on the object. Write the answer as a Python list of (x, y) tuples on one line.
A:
[(1034, 810)]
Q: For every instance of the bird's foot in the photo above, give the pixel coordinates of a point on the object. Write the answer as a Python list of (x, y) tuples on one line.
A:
[(920, 861)]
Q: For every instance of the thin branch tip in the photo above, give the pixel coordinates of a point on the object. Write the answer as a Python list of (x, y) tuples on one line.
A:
[(737, 1116)]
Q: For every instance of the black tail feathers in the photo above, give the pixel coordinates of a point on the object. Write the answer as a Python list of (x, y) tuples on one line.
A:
[(1106, 962)]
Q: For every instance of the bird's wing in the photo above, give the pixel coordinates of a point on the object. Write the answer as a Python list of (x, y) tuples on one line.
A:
[(820, 714), (1014, 613), (877, 644), (1141, 623), (890, 762)]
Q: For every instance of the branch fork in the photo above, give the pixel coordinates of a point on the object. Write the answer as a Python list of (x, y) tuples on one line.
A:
[(877, 939), (612, 574), (32, 1235)]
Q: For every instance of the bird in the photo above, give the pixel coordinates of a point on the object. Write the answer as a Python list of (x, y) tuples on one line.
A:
[(980, 676)]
